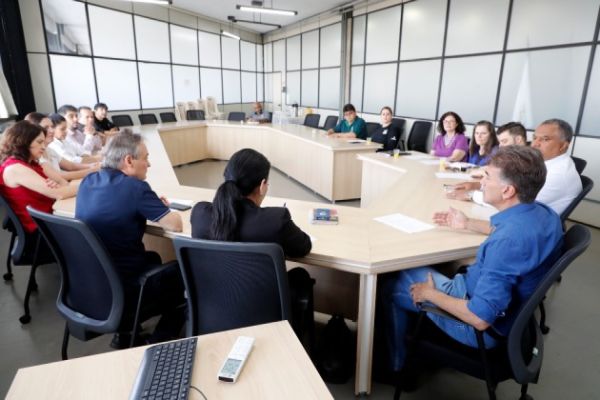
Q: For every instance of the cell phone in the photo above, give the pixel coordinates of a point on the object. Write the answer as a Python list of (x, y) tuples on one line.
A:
[(179, 206)]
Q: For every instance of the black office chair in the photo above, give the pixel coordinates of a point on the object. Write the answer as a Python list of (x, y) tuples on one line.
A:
[(312, 120), (330, 122), (518, 356), (399, 122), (580, 164), (372, 127), (231, 285), (236, 116), (195, 115), (91, 297), (23, 249), (167, 117), (418, 136), (122, 120), (587, 185), (270, 116), (147, 119)]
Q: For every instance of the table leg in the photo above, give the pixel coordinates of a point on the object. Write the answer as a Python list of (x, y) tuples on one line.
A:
[(365, 328)]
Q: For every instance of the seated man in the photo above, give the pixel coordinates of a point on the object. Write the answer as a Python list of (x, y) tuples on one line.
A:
[(70, 146), (116, 202), (563, 184), (93, 140), (526, 240), (101, 121), (259, 115), (512, 133), (351, 126)]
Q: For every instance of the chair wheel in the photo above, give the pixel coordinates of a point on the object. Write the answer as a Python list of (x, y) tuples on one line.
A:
[(8, 276), (25, 319), (544, 329)]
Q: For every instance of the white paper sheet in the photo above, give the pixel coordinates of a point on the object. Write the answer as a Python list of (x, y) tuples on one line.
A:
[(418, 156), (453, 175), (404, 223), (181, 201), (430, 162)]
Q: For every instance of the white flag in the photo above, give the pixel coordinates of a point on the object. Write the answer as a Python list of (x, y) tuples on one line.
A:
[(522, 111)]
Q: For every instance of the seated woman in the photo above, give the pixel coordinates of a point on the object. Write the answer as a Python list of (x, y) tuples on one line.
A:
[(483, 144), (22, 179), (387, 134), (451, 142), (352, 126)]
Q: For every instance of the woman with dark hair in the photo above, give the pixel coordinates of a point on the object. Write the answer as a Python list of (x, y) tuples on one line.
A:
[(22, 179), (236, 215), (483, 144), (451, 142), (387, 133)]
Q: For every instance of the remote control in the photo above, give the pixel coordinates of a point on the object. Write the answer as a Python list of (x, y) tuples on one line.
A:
[(236, 359)]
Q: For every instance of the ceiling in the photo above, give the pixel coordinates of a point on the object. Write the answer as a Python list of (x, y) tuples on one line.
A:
[(221, 9)]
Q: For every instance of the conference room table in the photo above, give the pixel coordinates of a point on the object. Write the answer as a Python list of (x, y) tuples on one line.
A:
[(356, 250), (277, 368)]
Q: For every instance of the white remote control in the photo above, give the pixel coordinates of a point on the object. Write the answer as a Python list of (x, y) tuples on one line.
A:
[(236, 359)]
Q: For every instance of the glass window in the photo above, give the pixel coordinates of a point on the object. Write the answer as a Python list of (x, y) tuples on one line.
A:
[(186, 83), (184, 45), (260, 87), (551, 22), (331, 45), (279, 56), (310, 87), (210, 83), (358, 40), (538, 85), (469, 87), (210, 49), (231, 87), (155, 85), (73, 79), (293, 53), (66, 27), (590, 124), (248, 56), (116, 42), (383, 31), (476, 26), (268, 87), (117, 84), (293, 88), (259, 58), (423, 29), (329, 90), (268, 53), (418, 89), (248, 87), (380, 83), (310, 49), (152, 40), (356, 87), (231, 52)]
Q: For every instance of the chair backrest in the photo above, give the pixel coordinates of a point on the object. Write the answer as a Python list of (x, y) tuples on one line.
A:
[(312, 120), (419, 133), (400, 123), (91, 293), (587, 184), (180, 110), (147, 119), (211, 105), (525, 342), (167, 117), (231, 285), (19, 230), (122, 120), (270, 114), (372, 127), (194, 115), (236, 116), (330, 122), (580, 164)]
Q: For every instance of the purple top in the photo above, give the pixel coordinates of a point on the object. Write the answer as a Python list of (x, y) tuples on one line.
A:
[(459, 142)]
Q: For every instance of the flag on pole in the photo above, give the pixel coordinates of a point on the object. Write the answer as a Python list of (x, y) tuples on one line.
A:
[(523, 109)]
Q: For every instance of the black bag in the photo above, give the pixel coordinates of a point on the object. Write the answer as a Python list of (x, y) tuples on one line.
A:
[(336, 358)]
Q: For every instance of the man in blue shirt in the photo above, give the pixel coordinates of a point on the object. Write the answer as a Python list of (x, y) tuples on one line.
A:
[(525, 241), (351, 126), (116, 202)]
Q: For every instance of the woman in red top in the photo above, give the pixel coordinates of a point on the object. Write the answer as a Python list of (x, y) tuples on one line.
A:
[(22, 179)]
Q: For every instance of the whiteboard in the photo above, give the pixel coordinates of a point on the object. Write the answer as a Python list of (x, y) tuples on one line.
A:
[(331, 45), (231, 87), (117, 84), (184, 45), (152, 40), (231, 52), (116, 42), (248, 56), (186, 83), (73, 79), (248, 87), (210, 49), (210, 83), (155, 85)]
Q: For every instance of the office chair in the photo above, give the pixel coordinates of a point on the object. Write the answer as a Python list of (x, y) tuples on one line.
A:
[(580, 164), (330, 122), (212, 108), (122, 120), (91, 297), (232, 285), (270, 114), (587, 184), (167, 117), (518, 356), (147, 119), (312, 120), (236, 116), (23, 249), (194, 115), (400, 123), (418, 136), (372, 127)]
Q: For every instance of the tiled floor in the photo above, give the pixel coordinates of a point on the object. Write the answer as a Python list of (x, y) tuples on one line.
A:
[(571, 368)]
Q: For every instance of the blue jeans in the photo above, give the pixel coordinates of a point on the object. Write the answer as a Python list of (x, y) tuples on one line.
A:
[(398, 304)]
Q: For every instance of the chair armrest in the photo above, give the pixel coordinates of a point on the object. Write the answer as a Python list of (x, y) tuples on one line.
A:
[(438, 311), (153, 271)]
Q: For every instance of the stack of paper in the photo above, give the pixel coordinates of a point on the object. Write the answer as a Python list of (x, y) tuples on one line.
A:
[(404, 223)]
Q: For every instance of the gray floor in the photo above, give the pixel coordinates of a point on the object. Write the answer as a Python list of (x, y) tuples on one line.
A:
[(571, 368)]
